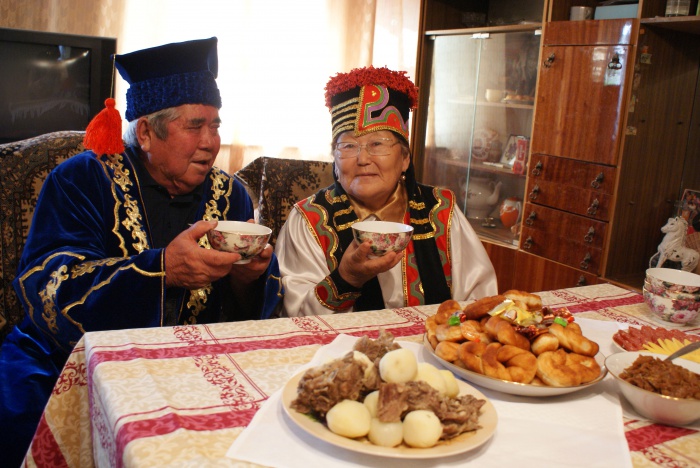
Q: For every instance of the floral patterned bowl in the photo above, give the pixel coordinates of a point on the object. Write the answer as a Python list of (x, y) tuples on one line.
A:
[(664, 292), (671, 280), (384, 236), (246, 239), (679, 311)]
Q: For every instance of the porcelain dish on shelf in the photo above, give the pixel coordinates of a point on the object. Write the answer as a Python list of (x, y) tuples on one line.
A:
[(654, 406), (514, 388), (488, 419)]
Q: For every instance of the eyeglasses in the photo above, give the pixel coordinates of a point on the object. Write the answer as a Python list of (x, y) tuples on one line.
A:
[(378, 147)]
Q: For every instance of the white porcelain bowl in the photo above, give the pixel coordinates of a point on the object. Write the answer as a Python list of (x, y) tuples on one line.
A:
[(673, 280), (385, 236), (654, 406), (246, 239), (671, 309)]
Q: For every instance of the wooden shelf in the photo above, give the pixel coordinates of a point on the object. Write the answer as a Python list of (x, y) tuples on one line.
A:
[(530, 26), (527, 105), (498, 234), (686, 24), (479, 166)]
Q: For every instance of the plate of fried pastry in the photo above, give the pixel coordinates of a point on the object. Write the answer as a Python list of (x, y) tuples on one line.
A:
[(513, 344)]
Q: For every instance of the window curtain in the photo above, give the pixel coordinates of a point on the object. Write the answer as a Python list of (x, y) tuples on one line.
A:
[(275, 56)]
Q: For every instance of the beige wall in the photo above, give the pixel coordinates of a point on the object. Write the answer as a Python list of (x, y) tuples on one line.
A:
[(83, 17)]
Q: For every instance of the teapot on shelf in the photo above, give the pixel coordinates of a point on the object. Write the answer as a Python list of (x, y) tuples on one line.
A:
[(482, 195), (510, 211)]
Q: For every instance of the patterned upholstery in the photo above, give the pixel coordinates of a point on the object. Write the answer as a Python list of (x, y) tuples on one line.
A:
[(24, 166), (275, 184)]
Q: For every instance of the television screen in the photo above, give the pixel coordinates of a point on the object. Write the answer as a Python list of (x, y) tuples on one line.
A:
[(51, 82)]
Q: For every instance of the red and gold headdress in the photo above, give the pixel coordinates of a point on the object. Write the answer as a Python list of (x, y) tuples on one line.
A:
[(370, 99)]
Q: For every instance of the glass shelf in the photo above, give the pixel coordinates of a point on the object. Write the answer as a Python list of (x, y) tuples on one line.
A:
[(479, 121)]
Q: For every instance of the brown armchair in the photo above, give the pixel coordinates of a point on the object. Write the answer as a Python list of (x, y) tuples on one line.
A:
[(276, 184), (24, 166)]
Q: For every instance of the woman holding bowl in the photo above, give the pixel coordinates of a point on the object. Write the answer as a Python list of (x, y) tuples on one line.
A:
[(324, 270)]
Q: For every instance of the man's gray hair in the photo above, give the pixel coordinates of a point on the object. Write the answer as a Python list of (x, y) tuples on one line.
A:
[(158, 121)]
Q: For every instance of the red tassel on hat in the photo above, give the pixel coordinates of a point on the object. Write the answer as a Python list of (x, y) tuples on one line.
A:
[(104, 133)]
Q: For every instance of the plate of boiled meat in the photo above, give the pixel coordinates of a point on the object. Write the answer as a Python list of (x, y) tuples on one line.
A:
[(342, 402)]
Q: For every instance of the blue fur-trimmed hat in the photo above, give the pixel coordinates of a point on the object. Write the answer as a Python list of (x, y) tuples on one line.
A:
[(169, 76)]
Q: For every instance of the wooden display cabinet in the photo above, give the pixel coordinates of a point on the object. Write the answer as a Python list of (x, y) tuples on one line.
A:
[(615, 136)]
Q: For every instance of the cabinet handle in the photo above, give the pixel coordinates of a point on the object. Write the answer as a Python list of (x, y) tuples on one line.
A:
[(589, 236), (535, 191), (549, 61), (615, 63), (586, 261), (527, 245), (531, 219), (581, 281), (596, 182), (538, 169), (593, 209)]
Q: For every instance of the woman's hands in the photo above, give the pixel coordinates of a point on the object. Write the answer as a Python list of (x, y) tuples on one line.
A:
[(357, 268)]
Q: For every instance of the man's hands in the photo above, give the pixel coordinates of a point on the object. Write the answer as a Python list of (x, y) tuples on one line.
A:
[(189, 266), (357, 268)]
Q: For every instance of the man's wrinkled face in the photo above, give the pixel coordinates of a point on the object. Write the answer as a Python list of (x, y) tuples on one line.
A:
[(183, 160)]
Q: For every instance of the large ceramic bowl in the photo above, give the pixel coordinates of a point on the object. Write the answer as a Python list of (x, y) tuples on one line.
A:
[(671, 294), (383, 235), (672, 280), (246, 239), (654, 406), (670, 309)]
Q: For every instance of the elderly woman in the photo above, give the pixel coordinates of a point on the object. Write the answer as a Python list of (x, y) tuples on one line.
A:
[(323, 269)]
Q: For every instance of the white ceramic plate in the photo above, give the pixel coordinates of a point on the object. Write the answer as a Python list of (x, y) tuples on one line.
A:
[(515, 388), (460, 444)]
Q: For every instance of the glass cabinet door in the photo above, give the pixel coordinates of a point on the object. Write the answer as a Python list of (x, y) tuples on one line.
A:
[(478, 125)]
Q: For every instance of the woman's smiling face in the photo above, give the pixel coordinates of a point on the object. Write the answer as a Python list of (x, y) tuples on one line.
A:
[(371, 179)]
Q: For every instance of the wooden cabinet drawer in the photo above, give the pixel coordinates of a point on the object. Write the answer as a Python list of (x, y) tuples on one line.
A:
[(574, 186), (535, 273), (614, 31), (549, 244), (584, 231)]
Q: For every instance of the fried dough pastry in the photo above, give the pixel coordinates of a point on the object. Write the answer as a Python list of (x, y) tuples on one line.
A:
[(474, 331), (447, 350), (531, 301), (570, 337), (483, 306), (508, 362), (470, 353), (561, 369), (544, 342), (430, 330), (553, 370), (503, 362), (445, 332), (502, 331), (446, 309)]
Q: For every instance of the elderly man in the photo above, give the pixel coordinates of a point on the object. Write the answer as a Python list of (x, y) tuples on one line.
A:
[(117, 237)]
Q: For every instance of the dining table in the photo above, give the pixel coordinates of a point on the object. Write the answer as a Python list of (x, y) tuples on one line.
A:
[(183, 395)]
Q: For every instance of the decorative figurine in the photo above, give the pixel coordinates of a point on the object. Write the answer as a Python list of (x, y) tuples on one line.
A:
[(672, 247)]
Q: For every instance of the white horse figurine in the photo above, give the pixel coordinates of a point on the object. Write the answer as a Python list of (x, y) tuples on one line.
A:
[(673, 248)]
